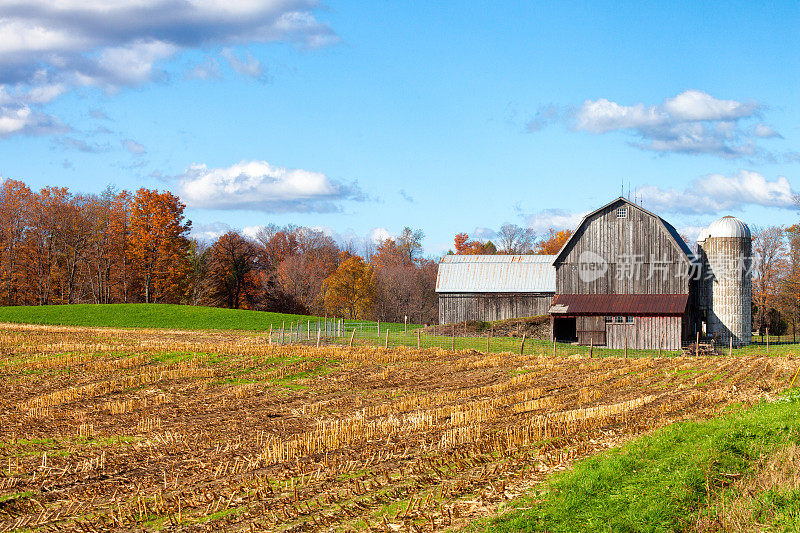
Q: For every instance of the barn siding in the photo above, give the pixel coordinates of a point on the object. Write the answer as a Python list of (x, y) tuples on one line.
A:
[(591, 330), (459, 307), (617, 241), (646, 332)]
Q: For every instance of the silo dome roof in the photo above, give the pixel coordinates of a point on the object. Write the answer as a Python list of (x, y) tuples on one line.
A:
[(726, 227)]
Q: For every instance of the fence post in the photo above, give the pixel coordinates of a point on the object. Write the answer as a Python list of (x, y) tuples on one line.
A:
[(454, 337), (488, 337), (379, 329), (626, 345), (554, 347), (270, 334), (386, 344), (283, 326), (661, 344), (730, 348), (591, 347), (419, 339), (405, 323), (697, 345), (767, 341), (352, 337), (522, 346), (318, 337)]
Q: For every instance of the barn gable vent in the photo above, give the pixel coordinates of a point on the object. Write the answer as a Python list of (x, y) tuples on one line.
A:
[(622, 212)]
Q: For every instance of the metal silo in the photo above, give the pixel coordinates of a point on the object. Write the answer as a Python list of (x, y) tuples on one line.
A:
[(727, 250)]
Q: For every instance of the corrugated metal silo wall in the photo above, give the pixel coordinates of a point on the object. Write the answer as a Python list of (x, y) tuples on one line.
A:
[(730, 292)]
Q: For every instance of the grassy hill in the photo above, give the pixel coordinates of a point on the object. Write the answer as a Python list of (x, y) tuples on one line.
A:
[(146, 316), (736, 472)]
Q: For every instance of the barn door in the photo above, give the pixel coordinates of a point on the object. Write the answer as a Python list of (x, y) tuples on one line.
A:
[(592, 330)]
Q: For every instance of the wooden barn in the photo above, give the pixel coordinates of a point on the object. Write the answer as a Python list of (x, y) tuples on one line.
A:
[(494, 287), (625, 277)]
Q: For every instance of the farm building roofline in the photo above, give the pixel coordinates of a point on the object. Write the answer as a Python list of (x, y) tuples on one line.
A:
[(619, 304), (678, 240), (496, 274)]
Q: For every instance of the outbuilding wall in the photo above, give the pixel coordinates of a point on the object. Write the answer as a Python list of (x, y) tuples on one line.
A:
[(646, 332), (460, 307)]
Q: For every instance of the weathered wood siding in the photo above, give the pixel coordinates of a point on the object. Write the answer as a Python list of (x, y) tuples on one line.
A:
[(646, 332), (458, 307), (591, 330), (662, 267)]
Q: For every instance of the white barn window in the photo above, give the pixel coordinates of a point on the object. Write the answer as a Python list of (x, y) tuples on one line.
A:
[(622, 212)]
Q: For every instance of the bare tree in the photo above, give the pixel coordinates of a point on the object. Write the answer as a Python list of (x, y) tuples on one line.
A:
[(410, 241), (516, 240), (769, 248)]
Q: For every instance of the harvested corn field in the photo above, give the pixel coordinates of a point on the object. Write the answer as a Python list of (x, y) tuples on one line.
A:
[(168, 430)]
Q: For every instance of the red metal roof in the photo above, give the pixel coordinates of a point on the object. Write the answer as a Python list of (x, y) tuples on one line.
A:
[(619, 304)]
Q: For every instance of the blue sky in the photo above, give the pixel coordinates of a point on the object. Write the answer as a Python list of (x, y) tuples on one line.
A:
[(364, 117)]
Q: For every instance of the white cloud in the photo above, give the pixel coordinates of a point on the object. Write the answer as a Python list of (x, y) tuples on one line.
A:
[(133, 147), (209, 233), (545, 116), (559, 219), (602, 115), (716, 192), (691, 232), (693, 122), (49, 47), (22, 119), (483, 234), (260, 186), (207, 70), (130, 64), (694, 105), (249, 66), (378, 235), (81, 145), (251, 231), (764, 131)]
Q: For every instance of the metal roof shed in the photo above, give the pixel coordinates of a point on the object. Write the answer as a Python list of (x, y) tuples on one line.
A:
[(494, 287)]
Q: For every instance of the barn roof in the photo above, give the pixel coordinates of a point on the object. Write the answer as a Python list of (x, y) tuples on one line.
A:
[(496, 273), (619, 304), (676, 238)]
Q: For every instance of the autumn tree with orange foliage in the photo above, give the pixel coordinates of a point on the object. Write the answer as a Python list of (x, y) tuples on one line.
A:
[(790, 285), (231, 274), (464, 246), (552, 242), (16, 201), (769, 250), (44, 244), (159, 246), (350, 289)]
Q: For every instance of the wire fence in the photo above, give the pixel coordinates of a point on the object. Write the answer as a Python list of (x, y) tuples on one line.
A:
[(326, 332)]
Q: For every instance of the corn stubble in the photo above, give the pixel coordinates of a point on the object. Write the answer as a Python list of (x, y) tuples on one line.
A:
[(222, 431)]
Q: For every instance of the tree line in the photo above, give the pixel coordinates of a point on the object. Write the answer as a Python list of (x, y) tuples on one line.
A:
[(57, 247), (776, 279)]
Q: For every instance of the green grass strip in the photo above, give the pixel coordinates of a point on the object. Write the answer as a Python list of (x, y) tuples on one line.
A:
[(658, 482), (156, 316)]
